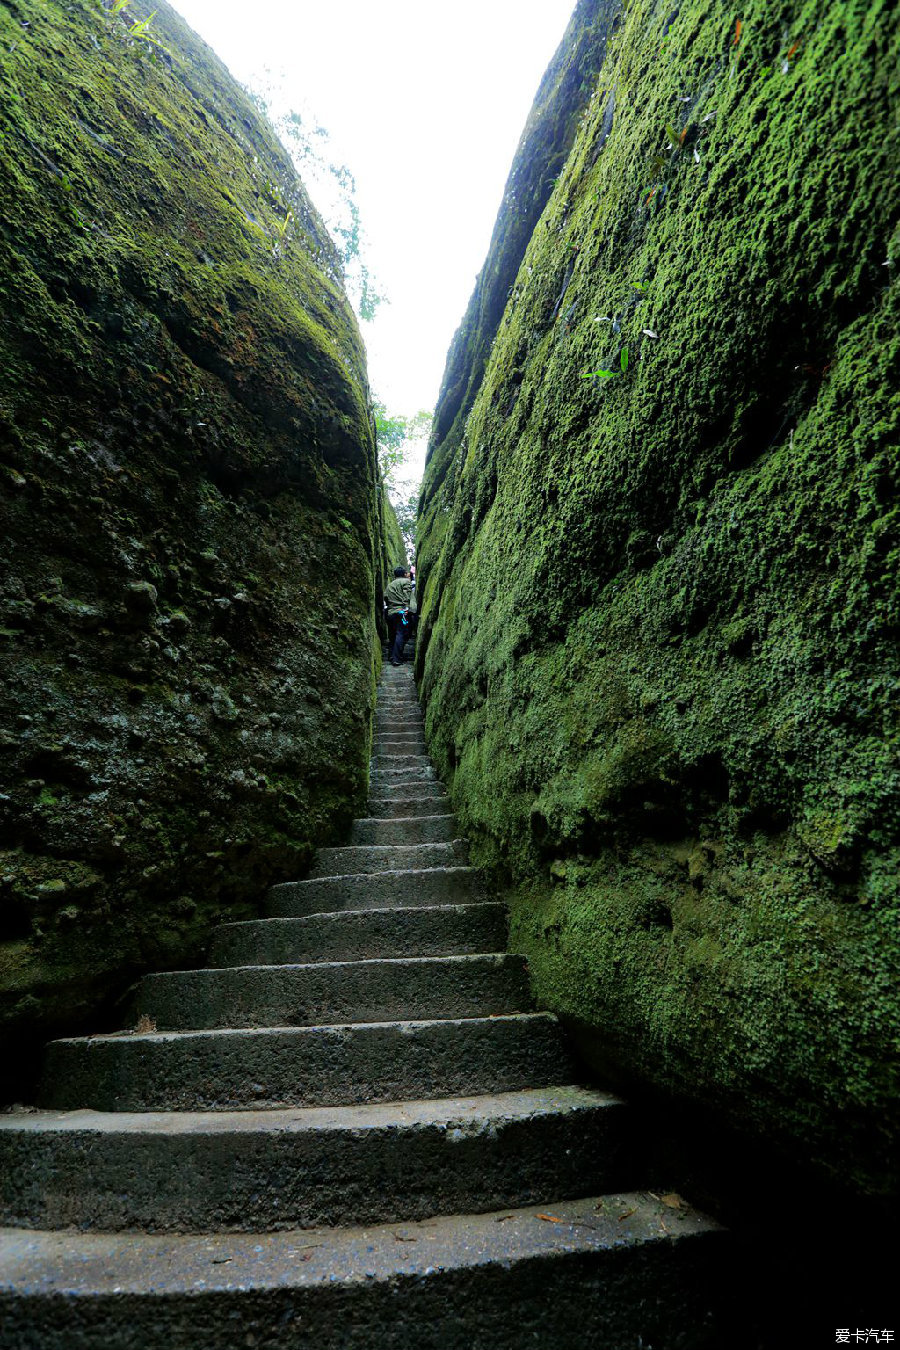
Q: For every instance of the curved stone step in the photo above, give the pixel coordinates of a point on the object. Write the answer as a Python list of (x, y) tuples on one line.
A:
[(350, 860), (397, 830), (327, 993), (389, 808), (358, 935), (375, 890), (255, 1171), (610, 1271), (305, 1066)]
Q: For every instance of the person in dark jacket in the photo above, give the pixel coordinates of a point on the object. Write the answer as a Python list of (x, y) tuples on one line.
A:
[(401, 611)]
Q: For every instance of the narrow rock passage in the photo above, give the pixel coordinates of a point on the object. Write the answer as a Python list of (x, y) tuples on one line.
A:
[(350, 1130)]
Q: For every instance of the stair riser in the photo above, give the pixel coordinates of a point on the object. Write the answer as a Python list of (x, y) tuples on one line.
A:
[(401, 743), (215, 1182), (328, 995), (452, 930), (439, 886), (339, 862), (304, 1067), (404, 790), (397, 775), (435, 829), (663, 1296), (389, 808), (402, 760)]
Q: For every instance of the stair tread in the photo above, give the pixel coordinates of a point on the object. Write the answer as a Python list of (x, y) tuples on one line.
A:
[(400, 1025), (380, 876), (49, 1262), (400, 820), (439, 1111), (341, 915), (269, 968)]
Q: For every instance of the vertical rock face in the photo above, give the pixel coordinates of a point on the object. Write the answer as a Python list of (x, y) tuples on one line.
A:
[(190, 515), (660, 615)]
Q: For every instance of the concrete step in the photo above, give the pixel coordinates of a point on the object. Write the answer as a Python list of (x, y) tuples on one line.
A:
[(256, 1171), (359, 935), (398, 726), (400, 716), (349, 859), (401, 761), (305, 1066), (389, 808), (329, 993), (613, 1271), (375, 890), (400, 741), (399, 830), (405, 789), (393, 777)]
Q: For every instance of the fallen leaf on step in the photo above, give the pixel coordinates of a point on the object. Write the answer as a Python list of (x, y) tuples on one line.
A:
[(628, 1213), (221, 1260), (550, 1218), (398, 1237), (504, 1217), (672, 1201)]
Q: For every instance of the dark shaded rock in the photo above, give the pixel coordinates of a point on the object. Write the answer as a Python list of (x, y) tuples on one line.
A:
[(189, 495), (659, 547)]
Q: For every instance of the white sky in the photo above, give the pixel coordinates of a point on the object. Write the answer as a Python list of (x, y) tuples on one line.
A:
[(425, 103)]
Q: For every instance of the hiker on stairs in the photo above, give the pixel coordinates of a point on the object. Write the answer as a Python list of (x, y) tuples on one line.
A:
[(401, 612)]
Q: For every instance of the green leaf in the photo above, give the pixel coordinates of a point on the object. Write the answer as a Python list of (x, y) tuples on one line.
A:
[(673, 136), (604, 374), (623, 360)]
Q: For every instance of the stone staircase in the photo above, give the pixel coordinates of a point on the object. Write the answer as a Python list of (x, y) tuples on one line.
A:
[(348, 1132)]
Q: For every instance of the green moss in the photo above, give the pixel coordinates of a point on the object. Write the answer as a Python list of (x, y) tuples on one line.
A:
[(661, 608), (193, 531)]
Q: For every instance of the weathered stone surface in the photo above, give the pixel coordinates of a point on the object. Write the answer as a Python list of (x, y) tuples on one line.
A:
[(327, 992), (611, 1265), (191, 533), (374, 890), (349, 860), (659, 552), (436, 829), (387, 807), (357, 935), (260, 1170), (305, 1066)]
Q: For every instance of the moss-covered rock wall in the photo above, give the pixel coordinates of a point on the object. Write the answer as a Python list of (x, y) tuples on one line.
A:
[(660, 561), (190, 510)]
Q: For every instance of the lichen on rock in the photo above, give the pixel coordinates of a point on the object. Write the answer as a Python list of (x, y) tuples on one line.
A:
[(659, 547), (191, 516)]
